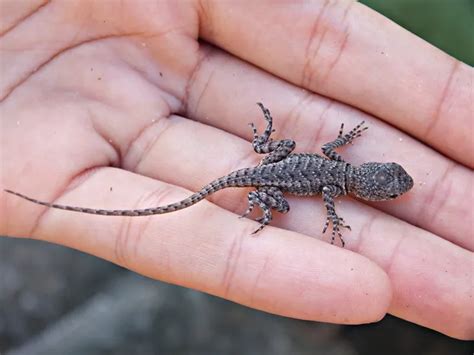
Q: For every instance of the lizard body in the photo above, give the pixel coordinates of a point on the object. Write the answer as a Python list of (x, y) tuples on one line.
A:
[(283, 171)]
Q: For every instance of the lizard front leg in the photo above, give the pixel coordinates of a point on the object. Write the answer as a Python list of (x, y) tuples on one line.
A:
[(267, 198), (263, 144), (329, 193), (328, 148)]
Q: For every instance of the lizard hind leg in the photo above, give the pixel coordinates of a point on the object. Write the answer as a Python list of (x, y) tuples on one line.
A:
[(263, 144), (256, 198), (267, 198)]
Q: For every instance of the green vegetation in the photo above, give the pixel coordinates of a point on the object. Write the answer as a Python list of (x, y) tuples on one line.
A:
[(447, 24)]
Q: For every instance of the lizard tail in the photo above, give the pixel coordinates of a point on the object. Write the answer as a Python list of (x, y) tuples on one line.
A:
[(236, 179)]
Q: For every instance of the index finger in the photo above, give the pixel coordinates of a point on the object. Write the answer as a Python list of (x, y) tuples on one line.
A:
[(348, 52)]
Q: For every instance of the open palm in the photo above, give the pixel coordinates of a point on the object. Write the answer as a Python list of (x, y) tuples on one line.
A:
[(123, 105)]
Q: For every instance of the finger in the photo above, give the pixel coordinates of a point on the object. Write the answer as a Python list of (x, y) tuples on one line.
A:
[(311, 120), (209, 249), (415, 259), (430, 276), (348, 52)]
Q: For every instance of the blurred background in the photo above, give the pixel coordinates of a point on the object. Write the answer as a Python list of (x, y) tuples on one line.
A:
[(447, 24), (55, 300)]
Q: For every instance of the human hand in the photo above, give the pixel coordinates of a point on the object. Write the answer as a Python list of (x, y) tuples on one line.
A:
[(119, 106)]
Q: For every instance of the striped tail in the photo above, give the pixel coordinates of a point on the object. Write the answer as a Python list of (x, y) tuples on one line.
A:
[(238, 178)]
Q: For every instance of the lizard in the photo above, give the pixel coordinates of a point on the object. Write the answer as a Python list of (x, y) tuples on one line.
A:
[(280, 171)]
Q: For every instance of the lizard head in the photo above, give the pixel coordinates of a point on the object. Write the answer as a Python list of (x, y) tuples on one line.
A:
[(378, 181)]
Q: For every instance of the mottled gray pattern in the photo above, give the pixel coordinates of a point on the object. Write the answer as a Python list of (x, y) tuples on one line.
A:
[(297, 174)]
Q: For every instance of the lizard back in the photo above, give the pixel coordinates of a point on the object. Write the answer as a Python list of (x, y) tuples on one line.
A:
[(301, 174)]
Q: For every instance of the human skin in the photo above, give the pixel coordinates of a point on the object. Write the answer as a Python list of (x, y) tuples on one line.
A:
[(137, 103)]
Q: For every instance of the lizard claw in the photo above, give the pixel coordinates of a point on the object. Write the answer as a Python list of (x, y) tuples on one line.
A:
[(246, 213), (326, 226), (258, 229)]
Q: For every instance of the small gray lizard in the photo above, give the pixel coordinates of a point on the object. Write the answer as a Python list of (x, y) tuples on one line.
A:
[(298, 174)]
